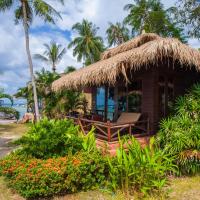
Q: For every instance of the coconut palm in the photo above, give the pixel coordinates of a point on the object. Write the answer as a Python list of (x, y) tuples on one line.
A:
[(53, 54), (87, 45), (69, 69), (24, 12), (117, 34), (150, 16)]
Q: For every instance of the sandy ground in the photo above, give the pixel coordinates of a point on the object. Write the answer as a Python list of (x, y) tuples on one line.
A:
[(7, 136)]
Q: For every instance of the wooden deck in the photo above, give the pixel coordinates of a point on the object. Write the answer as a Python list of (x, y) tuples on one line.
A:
[(109, 132)]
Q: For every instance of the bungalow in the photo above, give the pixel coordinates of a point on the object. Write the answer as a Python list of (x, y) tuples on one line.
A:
[(142, 77)]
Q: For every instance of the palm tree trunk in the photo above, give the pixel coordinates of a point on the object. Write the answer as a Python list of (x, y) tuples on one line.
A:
[(54, 68), (25, 24)]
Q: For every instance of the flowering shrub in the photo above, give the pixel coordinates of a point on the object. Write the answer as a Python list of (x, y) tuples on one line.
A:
[(40, 178), (51, 138)]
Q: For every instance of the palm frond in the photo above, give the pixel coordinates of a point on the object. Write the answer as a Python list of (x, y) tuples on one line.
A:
[(45, 11), (41, 57), (6, 4)]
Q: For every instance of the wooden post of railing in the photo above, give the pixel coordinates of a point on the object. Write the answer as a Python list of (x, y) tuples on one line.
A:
[(80, 124), (130, 132), (109, 131)]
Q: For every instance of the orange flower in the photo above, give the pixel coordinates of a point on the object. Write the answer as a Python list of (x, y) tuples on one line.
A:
[(76, 162)]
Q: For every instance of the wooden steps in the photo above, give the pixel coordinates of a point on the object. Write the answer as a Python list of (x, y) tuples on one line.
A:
[(111, 147)]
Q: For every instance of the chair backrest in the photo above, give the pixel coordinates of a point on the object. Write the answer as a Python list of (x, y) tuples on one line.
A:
[(126, 117)]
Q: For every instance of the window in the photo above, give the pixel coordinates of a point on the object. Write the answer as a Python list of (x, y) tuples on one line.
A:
[(166, 95)]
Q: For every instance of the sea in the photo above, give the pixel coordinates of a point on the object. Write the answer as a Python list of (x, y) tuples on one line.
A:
[(19, 104)]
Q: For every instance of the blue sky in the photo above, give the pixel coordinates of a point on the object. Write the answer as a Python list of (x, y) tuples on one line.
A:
[(13, 61)]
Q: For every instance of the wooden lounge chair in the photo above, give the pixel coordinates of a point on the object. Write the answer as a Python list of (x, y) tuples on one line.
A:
[(127, 117)]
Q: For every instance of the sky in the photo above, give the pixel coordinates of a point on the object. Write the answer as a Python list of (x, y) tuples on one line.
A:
[(14, 71)]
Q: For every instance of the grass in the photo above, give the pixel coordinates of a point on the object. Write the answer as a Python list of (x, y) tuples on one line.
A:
[(186, 188), (6, 193)]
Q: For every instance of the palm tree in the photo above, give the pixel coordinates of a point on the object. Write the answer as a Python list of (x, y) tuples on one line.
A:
[(26, 93), (69, 69), (150, 16), (87, 46), (53, 54), (25, 9), (140, 13), (117, 34)]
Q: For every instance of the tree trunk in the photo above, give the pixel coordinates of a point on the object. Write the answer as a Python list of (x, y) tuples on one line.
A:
[(25, 24), (54, 68)]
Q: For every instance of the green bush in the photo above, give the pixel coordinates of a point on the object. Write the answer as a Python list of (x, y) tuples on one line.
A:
[(40, 178), (49, 138), (139, 169), (179, 134), (10, 111)]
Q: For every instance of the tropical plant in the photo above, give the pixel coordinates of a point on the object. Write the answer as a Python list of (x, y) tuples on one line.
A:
[(89, 141), (117, 34), (150, 16), (137, 168), (87, 45), (179, 134), (24, 12), (52, 105), (36, 178), (50, 138), (52, 55), (188, 12), (69, 69), (9, 111), (26, 93), (65, 102)]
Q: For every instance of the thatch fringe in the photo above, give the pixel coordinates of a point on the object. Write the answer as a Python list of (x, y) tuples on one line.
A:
[(148, 53)]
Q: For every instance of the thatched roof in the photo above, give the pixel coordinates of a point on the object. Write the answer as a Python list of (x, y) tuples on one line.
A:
[(144, 50)]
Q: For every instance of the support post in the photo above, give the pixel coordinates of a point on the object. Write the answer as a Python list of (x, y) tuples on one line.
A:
[(94, 100), (116, 103), (109, 131), (130, 129), (106, 104)]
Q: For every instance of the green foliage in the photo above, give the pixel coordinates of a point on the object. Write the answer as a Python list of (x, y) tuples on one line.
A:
[(179, 134), (53, 54), (53, 105), (87, 46), (137, 168), (89, 141), (49, 138), (188, 12), (150, 16), (38, 7), (40, 178), (117, 34), (10, 111)]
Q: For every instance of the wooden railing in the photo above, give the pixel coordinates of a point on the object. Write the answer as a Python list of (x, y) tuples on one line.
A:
[(109, 131)]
